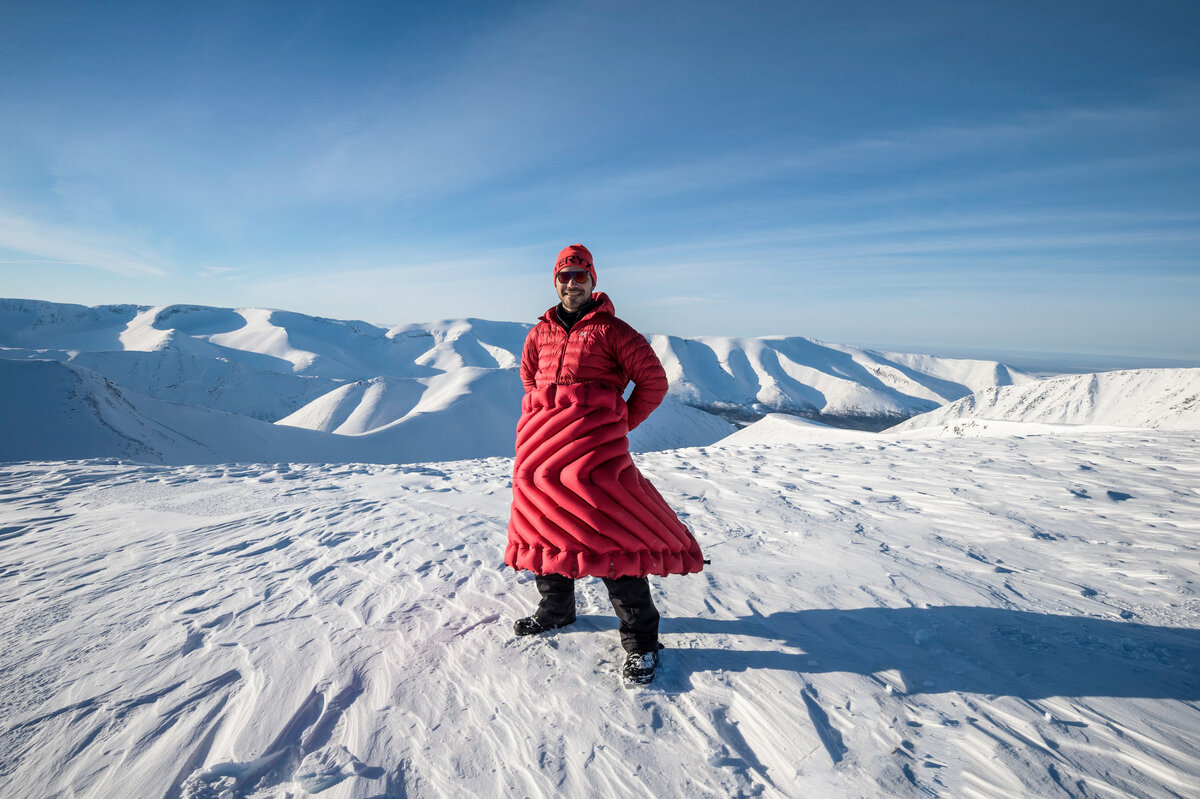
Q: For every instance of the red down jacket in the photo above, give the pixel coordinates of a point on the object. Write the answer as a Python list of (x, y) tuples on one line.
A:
[(580, 506)]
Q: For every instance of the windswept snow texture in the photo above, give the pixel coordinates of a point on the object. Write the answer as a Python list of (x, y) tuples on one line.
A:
[(967, 617), (394, 395), (1165, 399)]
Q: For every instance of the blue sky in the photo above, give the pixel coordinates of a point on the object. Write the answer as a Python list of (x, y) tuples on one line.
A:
[(932, 175)]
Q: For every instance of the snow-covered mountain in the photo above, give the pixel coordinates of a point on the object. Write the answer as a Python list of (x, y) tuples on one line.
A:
[(414, 392), (745, 378), (1167, 399), (783, 428), (58, 411), (260, 363), (62, 411)]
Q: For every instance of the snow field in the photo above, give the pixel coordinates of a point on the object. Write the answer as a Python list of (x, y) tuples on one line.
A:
[(979, 617)]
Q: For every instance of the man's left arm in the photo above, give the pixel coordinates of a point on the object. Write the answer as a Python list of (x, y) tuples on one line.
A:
[(638, 360), (529, 361)]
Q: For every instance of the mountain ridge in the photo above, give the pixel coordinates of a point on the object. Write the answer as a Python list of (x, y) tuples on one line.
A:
[(451, 380), (1166, 399)]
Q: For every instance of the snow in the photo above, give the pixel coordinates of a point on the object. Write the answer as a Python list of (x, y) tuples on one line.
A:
[(996, 599), (352, 380), (70, 412), (674, 425), (62, 411), (368, 405), (1168, 399), (997, 616), (809, 376), (782, 428)]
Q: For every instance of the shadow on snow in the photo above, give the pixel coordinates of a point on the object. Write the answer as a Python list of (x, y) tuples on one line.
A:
[(941, 649)]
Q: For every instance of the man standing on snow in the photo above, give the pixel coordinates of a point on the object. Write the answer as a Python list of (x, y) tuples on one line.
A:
[(580, 506)]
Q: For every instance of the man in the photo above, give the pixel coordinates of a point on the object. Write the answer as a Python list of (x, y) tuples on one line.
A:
[(580, 506)]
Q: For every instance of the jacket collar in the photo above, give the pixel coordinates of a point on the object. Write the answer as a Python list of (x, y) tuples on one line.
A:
[(603, 306)]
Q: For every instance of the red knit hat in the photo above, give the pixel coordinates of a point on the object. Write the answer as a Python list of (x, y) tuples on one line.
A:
[(575, 256)]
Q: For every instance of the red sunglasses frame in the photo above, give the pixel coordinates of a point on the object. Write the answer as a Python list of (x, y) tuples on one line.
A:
[(578, 275)]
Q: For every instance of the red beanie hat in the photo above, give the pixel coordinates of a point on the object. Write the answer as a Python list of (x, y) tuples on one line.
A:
[(575, 256)]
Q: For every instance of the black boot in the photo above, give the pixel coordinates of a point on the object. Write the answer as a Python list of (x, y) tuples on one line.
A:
[(639, 668), (556, 608), (532, 625)]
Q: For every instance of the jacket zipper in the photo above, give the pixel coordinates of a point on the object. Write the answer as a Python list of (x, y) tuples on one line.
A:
[(563, 354)]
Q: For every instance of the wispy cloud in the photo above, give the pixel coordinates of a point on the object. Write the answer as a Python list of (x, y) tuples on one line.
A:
[(48, 243), (490, 106), (908, 149), (213, 272), (899, 228)]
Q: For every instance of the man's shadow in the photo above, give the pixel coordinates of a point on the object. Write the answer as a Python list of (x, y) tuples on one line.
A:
[(935, 650)]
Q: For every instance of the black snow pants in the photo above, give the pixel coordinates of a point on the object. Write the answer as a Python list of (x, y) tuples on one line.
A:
[(630, 597)]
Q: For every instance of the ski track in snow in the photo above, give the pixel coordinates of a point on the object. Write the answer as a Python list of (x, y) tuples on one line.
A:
[(967, 617)]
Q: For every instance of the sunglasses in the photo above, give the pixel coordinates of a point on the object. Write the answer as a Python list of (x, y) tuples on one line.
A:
[(578, 275)]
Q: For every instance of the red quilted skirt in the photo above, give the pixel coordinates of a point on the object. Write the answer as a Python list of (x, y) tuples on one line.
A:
[(580, 506)]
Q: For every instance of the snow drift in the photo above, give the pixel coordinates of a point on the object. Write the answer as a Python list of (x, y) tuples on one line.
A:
[(782, 428)]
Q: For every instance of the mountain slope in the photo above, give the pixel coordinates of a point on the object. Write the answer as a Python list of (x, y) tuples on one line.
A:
[(782, 428), (61, 411), (388, 394), (68, 412), (1167, 399), (746, 378)]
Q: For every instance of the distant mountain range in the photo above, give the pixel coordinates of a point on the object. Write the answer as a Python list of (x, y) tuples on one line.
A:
[(187, 383), (746, 378), (1164, 399), (1160, 399)]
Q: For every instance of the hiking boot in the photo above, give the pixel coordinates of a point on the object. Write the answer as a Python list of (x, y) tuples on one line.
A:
[(532, 625), (639, 668)]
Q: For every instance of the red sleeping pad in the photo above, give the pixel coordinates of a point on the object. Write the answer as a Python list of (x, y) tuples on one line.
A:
[(580, 505)]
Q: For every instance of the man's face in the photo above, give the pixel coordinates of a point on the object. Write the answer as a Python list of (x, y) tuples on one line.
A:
[(572, 293)]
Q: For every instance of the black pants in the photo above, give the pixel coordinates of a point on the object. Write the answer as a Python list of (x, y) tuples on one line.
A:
[(630, 597)]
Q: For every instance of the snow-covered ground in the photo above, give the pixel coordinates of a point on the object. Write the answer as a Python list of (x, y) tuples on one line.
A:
[(997, 599), (1008, 616)]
